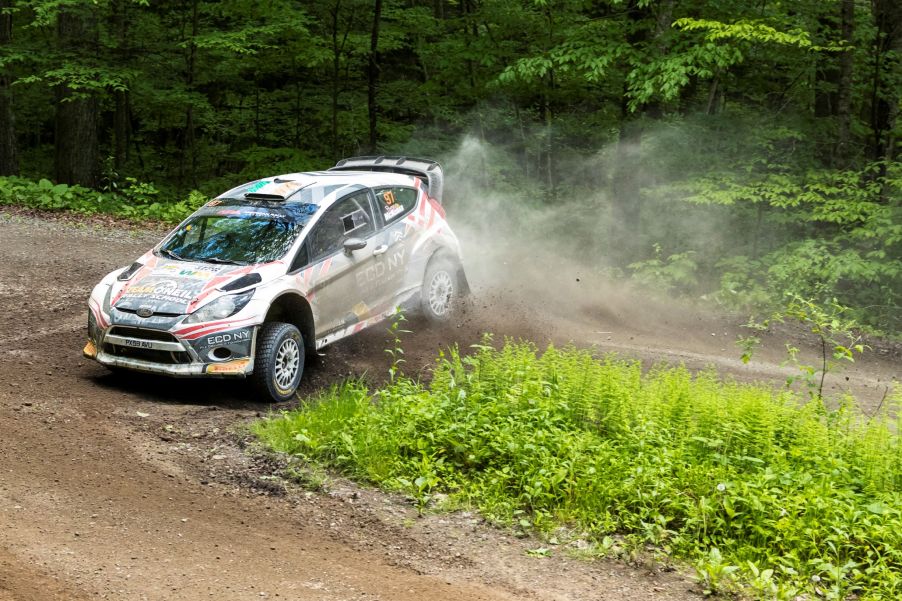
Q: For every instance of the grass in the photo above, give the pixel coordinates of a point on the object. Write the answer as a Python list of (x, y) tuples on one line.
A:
[(751, 485), (745, 482)]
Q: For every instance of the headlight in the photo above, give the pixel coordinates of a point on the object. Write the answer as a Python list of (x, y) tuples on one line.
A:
[(222, 307), (93, 330), (106, 299)]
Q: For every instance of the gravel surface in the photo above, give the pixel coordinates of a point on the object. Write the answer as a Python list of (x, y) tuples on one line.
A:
[(139, 487)]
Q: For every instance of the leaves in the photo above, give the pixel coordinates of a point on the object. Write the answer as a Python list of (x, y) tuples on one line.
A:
[(754, 487)]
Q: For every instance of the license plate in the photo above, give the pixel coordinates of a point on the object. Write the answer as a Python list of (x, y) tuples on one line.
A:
[(138, 343)]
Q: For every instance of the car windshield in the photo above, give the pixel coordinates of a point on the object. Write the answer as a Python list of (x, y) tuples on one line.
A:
[(232, 239)]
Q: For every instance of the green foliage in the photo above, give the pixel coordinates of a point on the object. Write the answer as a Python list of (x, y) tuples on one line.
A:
[(675, 273), (754, 32), (750, 485), (831, 234), (133, 201), (718, 121), (839, 339)]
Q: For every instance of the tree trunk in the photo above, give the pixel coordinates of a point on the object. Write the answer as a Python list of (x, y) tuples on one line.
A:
[(336, 74), (885, 91), (373, 77), (189, 151), (76, 116), (826, 88), (844, 95), (9, 155), (121, 125)]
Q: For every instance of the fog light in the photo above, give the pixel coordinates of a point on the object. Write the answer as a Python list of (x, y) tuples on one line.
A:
[(220, 353), (90, 351)]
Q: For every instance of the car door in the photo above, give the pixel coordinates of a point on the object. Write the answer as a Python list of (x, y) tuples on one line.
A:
[(337, 297), (394, 251)]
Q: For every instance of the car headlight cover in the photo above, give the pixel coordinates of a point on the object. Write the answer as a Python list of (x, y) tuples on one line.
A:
[(222, 307), (106, 299), (93, 330)]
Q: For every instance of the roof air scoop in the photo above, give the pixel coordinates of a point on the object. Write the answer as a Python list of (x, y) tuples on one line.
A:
[(260, 196), (277, 190)]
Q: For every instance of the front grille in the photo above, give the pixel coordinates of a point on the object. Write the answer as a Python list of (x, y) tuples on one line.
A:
[(144, 354), (142, 334)]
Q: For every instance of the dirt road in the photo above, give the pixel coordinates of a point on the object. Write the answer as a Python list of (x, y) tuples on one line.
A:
[(137, 487)]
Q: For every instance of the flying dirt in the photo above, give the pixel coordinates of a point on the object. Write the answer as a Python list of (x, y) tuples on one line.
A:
[(140, 487)]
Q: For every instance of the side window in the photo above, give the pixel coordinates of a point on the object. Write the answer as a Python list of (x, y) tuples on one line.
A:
[(395, 202), (301, 259), (350, 217)]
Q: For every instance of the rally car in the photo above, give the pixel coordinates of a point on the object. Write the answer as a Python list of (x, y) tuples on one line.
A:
[(275, 269)]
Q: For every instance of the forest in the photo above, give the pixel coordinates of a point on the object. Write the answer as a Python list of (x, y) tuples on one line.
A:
[(735, 151)]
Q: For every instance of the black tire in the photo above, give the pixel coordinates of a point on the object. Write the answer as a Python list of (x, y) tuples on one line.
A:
[(441, 294), (279, 361)]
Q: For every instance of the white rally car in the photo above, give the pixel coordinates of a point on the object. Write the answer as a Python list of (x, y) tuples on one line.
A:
[(281, 267)]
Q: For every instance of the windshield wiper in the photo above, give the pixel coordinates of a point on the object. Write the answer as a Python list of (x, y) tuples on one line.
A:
[(172, 255), (222, 261)]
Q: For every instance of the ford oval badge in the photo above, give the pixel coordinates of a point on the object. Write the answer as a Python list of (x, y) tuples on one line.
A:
[(144, 312)]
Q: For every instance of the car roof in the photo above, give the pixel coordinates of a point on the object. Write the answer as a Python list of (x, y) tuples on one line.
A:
[(314, 187)]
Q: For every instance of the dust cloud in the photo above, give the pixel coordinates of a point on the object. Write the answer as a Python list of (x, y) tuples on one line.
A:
[(544, 262)]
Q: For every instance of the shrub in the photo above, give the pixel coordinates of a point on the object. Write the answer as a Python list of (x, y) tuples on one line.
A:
[(135, 200), (746, 482)]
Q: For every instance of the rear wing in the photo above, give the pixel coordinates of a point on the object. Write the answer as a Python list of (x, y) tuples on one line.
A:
[(428, 170)]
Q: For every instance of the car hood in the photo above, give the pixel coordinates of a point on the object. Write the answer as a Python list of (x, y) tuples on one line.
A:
[(165, 286)]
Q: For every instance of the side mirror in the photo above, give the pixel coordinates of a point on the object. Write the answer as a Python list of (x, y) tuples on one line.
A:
[(352, 244)]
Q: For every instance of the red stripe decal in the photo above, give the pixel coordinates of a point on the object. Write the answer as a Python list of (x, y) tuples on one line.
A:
[(325, 267), (213, 328), (437, 207)]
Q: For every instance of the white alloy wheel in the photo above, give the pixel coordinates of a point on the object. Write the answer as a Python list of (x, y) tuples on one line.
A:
[(287, 363)]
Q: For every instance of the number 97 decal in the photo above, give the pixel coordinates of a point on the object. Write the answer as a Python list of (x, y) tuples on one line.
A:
[(388, 197)]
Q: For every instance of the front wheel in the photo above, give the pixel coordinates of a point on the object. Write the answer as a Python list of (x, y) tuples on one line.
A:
[(440, 295), (279, 361)]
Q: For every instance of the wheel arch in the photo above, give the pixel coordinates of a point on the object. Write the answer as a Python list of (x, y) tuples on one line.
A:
[(444, 253), (290, 307)]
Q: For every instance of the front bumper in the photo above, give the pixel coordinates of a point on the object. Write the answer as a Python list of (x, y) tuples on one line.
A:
[(174, 357)]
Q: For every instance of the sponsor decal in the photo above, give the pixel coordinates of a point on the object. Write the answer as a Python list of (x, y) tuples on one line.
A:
[(214, 327), (164, 290), (196, 273), (361, 310), (392, 211), (380, 269), (254, 187), (228, 338)]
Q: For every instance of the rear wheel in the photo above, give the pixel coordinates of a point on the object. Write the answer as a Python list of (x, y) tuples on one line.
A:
[(440, 295), (279, 361)]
